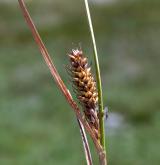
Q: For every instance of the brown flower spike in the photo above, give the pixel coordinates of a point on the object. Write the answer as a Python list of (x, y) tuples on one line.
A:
[(85, 88)]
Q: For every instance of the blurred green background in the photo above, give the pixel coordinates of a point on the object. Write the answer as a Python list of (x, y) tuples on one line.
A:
[(37, 126)]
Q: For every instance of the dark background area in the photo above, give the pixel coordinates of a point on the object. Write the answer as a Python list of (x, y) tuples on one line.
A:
[(37, 126)]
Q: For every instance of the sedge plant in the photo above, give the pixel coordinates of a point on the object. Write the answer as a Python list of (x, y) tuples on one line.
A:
[(88, 92)]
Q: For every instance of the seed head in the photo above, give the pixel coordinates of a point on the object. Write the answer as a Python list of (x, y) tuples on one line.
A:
[(85, 87)]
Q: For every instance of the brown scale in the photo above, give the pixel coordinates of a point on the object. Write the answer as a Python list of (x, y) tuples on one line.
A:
[(85, 87)]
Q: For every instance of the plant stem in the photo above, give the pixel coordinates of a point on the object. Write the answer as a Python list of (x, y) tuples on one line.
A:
[(85, 144), (98, 76)]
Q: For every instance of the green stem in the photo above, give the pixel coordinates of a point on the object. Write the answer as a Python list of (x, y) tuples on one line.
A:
[(98, 76)]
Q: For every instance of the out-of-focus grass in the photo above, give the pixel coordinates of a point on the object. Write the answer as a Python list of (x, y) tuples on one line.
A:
[(36, 124)]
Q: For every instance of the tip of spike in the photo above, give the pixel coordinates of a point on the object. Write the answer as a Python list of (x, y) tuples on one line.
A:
[(76, 52)]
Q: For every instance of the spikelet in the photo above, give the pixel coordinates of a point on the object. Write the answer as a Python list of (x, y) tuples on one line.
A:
[(85, 88)]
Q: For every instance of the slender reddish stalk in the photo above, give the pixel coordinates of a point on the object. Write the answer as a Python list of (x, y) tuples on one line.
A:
[(59, 82), (85, 144)]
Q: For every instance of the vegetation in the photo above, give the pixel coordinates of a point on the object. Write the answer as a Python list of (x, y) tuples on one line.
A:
[(34, 126)]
